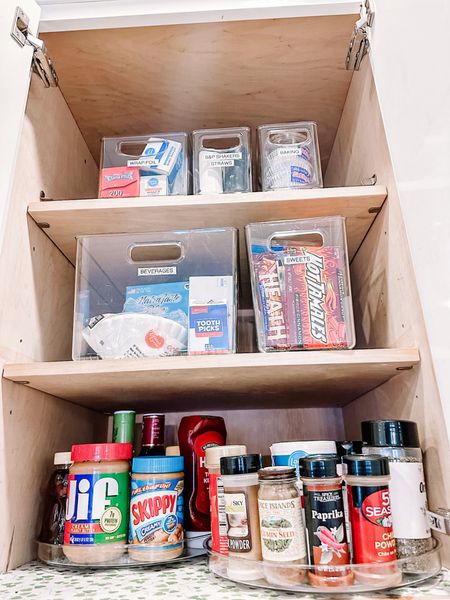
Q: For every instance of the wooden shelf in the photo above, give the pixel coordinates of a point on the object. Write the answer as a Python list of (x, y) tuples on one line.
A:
[(64, 220), (282, 380)]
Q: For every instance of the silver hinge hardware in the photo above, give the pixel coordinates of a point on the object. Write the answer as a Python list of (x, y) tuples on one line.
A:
[(359, 43), (42, 64)]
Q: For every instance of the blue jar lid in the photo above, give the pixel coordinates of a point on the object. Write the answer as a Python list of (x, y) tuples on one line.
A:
[(157, 464)]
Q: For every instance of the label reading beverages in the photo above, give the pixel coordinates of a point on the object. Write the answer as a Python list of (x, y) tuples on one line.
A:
[(282, 532), (370, 517), (239, 534), (97, 508), (156, 512), (156, 271), (326, 526), (408, 501)]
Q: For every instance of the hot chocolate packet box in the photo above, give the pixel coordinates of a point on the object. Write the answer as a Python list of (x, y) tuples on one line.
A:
[(160, 161), (301, 284)]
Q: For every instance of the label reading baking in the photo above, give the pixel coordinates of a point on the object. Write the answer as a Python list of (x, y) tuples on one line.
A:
[(325, 520), (301, 151), (370, 516), (156, 512), (156, 271), (282, 532), (239, 534), (408, 500), (97, 506), (222, 159)]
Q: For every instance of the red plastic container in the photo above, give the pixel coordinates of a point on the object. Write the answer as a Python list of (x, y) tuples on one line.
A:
[(195, 434)]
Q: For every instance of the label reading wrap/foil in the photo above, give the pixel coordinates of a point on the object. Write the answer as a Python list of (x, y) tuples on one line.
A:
[(282, 533), (239, 534), (408, 500)]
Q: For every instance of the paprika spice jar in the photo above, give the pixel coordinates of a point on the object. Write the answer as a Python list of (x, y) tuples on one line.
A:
[(98, 498), (156, 508)]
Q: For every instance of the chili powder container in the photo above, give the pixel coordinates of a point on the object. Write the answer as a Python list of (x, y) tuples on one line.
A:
[(325, 521)]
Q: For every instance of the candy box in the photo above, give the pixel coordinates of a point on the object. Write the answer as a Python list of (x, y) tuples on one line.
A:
[(301, 288)]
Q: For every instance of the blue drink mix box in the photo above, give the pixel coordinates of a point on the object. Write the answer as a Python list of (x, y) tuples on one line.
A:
[(168, 300)]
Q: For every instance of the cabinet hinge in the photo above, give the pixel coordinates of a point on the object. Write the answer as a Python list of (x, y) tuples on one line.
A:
[(42, 64), (359, 43)]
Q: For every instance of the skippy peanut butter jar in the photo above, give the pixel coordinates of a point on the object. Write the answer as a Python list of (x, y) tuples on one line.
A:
[(156, 508), (98, 500)]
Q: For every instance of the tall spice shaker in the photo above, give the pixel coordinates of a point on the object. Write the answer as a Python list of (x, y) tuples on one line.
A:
[(281, 524), (219, 539), (369, 509), (399, 442), (240, 482), (325, 521)]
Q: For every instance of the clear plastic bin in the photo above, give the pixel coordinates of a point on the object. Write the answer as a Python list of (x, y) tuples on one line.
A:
[(155, 294), (289, 156), (301, 284), (222, 161), (144, 165)]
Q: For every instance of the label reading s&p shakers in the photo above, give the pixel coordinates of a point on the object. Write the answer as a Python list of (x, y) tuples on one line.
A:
[(370, 517), (282, 533), (324, 509), (239, 533), (97, 508), (156, 512)]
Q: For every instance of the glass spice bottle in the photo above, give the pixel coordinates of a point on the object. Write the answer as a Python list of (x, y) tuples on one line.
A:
[(281, 526), (399, 442), (325, 521), (54, 519)]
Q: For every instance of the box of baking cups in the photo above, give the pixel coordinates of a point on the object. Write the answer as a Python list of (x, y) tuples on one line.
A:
[(289, 156), (155, 294), (301, 284)]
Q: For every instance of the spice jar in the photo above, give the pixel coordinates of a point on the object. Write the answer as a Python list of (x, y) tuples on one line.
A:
[(370, 518), (281, 526), (240, 483), (399, 442), (156, 508), (54, 519), (219, 539), (325, 521), (98, 500)]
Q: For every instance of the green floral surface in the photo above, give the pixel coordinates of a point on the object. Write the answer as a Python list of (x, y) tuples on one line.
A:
[(185, 581)]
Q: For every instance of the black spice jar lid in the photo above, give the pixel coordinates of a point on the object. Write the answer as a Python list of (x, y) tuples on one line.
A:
[(390, 433), (317, 465), (276, 473), (240, 465), (366, 465)]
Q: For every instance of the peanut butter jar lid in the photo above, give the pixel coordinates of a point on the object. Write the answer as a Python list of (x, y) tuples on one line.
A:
[(215, 453), (98, 452), (158, 464)]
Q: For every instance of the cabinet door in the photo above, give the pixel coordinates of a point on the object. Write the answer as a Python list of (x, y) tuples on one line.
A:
[(15, 79), (410, 47)]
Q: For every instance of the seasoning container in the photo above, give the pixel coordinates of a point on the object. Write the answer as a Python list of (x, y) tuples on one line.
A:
[(98, 502), (281, 526), (156, 508), (325, 521), (399, 442), (152, 435), (123, 426), (53, 522), (370, 516), (240, 482), (195, 434), (219, 539)]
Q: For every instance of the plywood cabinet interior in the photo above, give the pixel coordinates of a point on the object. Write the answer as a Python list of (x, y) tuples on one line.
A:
[(249, 73)]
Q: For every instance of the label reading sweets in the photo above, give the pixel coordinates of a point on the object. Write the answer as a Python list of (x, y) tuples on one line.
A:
[(239, 535), (282, 533), (96, 508), (156, 271)]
